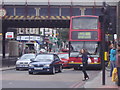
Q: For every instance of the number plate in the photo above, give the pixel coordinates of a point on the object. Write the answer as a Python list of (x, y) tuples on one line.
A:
[(23, 66), (38, 68)]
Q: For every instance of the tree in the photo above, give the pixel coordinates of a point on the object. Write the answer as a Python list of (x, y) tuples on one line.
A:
[(63, 34)]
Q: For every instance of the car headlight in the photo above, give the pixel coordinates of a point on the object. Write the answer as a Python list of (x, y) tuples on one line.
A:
[(17, 62), (46, 65), (30, 65)]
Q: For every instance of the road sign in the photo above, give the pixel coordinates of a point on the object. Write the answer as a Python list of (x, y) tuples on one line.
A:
[(10, 35), (2, 12)]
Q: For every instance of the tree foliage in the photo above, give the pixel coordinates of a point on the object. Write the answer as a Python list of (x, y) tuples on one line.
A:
[(64, 34)]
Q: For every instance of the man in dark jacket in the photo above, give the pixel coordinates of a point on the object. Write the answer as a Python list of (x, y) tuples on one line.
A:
[(26, 50)]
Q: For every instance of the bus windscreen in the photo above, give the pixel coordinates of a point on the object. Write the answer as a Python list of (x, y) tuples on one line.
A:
[(91, 47), (85, 23)]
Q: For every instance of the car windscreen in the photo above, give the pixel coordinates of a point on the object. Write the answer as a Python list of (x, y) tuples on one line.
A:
[(63, 56), (44, 58), (85, 23), (91, 47), (27, 56)]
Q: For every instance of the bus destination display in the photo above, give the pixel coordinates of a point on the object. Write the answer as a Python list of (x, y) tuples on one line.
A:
[(84, 35)]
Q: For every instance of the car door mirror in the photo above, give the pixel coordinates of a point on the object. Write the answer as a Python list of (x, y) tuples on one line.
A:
[(56, 59), (32, 59)]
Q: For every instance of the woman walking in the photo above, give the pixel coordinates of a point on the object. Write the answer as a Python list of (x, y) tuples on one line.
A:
[(85, 63)]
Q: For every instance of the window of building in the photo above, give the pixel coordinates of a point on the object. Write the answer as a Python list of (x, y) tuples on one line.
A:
[(31, 12), (43, 12), (89, 11), (97, 11), (20, 11), (10, 11), (65, 11), (76, 12), (54, 11)]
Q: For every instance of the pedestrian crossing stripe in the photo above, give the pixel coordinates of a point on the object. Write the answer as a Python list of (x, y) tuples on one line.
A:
[(37, 17)]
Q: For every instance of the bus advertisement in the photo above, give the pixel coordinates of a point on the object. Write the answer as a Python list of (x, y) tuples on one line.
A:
[(85, 33)]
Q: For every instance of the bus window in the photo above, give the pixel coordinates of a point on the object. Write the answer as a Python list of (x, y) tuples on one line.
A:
[(85, 23)]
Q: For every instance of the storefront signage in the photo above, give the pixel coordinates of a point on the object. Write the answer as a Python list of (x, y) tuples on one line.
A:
[(33, 38)]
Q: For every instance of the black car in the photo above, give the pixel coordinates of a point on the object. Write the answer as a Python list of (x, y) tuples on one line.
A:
[(45, 63)]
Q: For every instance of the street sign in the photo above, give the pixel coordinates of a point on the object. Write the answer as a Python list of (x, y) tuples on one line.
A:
[(10, 35), (2, 12), (32, 38)]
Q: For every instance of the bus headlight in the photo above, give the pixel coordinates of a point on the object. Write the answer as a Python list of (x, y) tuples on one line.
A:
[(95, 60)]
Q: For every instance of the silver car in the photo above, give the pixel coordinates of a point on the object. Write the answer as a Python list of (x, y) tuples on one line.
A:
[(24, 60)]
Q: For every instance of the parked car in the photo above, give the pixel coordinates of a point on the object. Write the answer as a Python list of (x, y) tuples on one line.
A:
[(24, 60), (65, 59), (65, 50), (50, 63)]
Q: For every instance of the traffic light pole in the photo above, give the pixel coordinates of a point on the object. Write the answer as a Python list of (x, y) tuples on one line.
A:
[(105, 20), (103, 51)]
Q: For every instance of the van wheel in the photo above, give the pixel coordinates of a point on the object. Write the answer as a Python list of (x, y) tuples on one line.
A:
[(17, 69)]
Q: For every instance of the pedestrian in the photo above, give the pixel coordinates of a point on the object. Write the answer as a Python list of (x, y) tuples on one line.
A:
[(85, 63), (118, 63), (112, 59), (26, 50)]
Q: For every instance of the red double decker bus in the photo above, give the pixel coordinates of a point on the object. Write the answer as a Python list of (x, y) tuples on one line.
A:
[(85, 33)]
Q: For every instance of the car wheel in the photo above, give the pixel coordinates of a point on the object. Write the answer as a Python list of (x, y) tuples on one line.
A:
[(30, 72), (60, 69), (77, 68), (53, 70), (17, 69)]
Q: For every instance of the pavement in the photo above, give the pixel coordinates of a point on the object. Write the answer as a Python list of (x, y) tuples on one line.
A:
[(97, 82), (8, 63)]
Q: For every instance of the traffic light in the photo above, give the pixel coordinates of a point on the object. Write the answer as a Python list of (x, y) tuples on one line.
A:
[(105, 18), (105, 9)]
